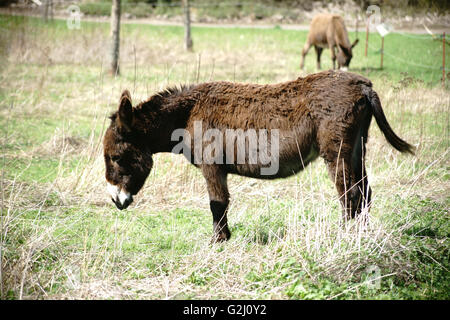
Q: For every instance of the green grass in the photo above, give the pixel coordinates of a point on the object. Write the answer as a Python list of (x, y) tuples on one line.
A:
[(62, 238), (231, 10), (220, 10)]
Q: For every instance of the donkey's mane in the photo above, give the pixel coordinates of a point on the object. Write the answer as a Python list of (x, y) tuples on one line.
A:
[(175, 90), (155, 99), (169, 92)]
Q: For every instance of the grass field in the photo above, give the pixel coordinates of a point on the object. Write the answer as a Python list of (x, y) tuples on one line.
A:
[(61, 237)]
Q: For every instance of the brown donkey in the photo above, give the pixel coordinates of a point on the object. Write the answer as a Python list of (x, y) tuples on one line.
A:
[(326, 114), (328, 31)]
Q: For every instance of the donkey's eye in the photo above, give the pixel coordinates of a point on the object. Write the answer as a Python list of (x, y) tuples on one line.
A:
[(115, 158)]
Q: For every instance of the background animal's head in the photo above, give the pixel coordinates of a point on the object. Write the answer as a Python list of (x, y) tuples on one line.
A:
[(345, 55), (128, 159)]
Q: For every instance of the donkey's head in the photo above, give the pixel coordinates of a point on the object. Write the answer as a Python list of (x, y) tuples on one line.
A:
[(128, 159), (345, 55)]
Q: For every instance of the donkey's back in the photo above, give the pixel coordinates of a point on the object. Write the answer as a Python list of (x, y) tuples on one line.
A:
[(281, 106)]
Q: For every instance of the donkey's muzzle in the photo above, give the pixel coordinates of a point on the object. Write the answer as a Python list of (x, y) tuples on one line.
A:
[(121, 198), (124, 204)]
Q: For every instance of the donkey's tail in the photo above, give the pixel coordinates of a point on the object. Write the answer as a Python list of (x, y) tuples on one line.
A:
[(383, 124)]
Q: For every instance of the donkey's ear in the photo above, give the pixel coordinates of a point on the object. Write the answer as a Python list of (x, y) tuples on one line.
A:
[(125, 111), (345, 50), (127, 94), (355, 43)]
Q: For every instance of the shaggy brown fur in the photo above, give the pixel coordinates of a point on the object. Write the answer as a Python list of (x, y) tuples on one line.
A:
[(328, 31), (326, 114)]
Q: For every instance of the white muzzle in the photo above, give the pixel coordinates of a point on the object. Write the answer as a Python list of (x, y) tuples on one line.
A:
[(120, 197)]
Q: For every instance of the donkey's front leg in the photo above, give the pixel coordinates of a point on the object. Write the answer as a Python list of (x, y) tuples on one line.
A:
[(333, 55), (216, 183), (304, 53)]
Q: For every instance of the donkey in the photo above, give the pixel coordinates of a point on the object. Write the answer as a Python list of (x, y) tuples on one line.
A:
[(328, 31), (326, 114)]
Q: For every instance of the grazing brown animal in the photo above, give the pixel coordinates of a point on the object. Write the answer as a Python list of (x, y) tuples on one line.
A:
[(328, 31), (326, 114)]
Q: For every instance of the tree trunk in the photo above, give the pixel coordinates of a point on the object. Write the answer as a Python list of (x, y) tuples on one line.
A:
[(115, 37), (45, 7), (188, 44), (50, 3)]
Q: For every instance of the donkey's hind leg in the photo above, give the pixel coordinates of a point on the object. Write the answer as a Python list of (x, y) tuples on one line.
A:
[(347, 169), (318, 55), (338, 157), (341, 173), (358, 164), (216, 183)]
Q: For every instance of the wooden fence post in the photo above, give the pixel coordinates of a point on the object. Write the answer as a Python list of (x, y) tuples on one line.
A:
[(443, 59), (188, 44), (115, 37), (367, 33)]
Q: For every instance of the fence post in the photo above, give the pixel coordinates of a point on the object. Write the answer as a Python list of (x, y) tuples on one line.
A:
[(188, 44), (115, 37), (45, 6), (367, 33), (443, 58)]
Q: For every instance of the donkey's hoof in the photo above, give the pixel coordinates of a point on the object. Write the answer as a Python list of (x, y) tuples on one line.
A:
[(220, 237)]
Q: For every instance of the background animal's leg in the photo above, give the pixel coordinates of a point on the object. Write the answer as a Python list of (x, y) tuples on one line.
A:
[(318, 53), (216, 183), (333, 56), (304, 53)]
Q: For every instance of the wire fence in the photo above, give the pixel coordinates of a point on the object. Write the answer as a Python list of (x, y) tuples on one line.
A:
[(416, 37), (177, 4), (437, 37), (393, 56)]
